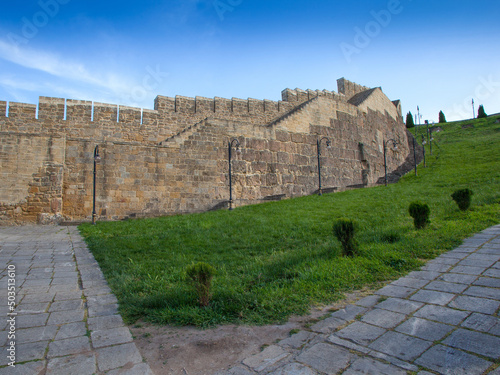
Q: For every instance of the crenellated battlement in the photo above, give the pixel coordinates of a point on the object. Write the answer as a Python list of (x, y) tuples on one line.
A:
[(171, 115)]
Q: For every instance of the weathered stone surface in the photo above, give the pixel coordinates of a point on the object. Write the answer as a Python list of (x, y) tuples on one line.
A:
[(383, 318), (113, 357), (447, 360), (360, 333), (424, 329), (328, 359), (476, 342), (370, 366), (401, 346), (82, 364), (268, 357)]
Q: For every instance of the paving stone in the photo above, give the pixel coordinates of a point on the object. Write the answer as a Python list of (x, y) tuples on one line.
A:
[(481, 322), (34, 334), (103, 310), (442, 286), (112, 357), (491, 282), (328, 325), (65, 281), (445, 260), (360, 333), (105, 322), (489, 257), (36, 298), (399, 305), (476, 263), (395, 291), (368, 301), (81, 364), (268, 357), (482, 305), (139, 369), (294, 369), (297, 340), (479, 291), (410, 282), (383, 318), (65, 295), (75, 304), (32, 308), (71, 330), (62, 317), (370, 366), (436, 267), (441, 314), (476, 342), (457, 278), (238, 370), (451, 361), (31, 320), (74, 345), (468, 270), (400, 346), (31, 351), (348, 344), (424, 275), (328, 359), (424, 329), (431, 296), (111, 336), (492, 272), (24, 369), (349, 312), (101, 300)]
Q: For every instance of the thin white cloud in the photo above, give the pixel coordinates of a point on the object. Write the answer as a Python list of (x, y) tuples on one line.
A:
[(58, 67)]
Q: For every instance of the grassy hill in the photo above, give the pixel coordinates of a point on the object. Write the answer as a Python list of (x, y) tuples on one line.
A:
[(279, 258)]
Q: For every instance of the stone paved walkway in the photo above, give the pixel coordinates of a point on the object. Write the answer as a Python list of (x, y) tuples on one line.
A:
[(67, 319), (442, 319)]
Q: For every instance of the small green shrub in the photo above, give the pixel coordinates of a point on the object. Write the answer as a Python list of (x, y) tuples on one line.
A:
[(201, 274), (463, 197), (420, 213), (481, 113), (344, 230)]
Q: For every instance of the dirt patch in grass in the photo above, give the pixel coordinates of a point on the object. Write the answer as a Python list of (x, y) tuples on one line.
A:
[(193, 351)]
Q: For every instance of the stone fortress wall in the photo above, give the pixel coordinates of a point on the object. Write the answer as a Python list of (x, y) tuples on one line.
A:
[(174, 159)]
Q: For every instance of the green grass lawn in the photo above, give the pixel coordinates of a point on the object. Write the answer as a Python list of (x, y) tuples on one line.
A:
[(280, 258)]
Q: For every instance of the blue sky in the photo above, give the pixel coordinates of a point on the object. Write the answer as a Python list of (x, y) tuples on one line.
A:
[(438, 55)]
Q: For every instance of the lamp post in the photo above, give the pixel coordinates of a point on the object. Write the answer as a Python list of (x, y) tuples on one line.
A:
[(423, 144), (473, 111), (318, 148), (395, 146), (230, 145), (431, 137), (97, 158)]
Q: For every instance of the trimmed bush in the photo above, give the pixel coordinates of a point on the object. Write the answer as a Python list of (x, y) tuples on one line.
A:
[(442, 117), (463, 197), (201, 274), (344, 230), (420, 213), (481, 113), (409, 120)]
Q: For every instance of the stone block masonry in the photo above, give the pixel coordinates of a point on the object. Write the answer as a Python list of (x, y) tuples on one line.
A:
[(174, 159)]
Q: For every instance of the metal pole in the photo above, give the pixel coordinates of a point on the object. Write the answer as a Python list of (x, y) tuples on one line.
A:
[(473, 110), (319, 168), (385, 165), (94, 214), (230, 179)]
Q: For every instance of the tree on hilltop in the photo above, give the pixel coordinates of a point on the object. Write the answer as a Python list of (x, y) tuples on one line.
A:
[(481, 113), (409, 121), (442, 118)]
